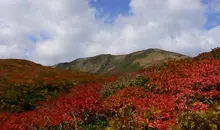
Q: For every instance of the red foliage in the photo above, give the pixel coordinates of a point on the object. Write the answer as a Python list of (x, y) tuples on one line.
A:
[(215, 53), (83, 98), (122, 98), (181, 86)]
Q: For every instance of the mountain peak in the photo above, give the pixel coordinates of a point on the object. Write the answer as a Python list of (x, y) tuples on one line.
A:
[(114, 64)]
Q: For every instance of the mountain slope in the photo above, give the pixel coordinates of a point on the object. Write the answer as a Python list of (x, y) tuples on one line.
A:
[(23, 83), (114, 64)]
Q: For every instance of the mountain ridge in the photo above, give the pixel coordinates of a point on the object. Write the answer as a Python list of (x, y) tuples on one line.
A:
[(114, 64)]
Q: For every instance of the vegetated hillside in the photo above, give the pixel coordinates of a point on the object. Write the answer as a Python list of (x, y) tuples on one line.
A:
[(114, 64), (23, 83), (178, 95)]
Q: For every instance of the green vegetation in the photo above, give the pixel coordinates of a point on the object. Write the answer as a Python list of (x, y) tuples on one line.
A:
[(209, 120), (126, 81), (139, 81), (24, 97)]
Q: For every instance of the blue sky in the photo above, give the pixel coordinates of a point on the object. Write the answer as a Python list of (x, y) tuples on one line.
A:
[(213, 20), (116, 7), (213, 17), (111, 8)]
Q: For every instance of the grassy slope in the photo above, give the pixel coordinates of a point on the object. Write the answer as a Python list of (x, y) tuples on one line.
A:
[(23, 83), (114, 64)]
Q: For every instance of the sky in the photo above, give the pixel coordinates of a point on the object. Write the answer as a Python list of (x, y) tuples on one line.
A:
[(53, 31)]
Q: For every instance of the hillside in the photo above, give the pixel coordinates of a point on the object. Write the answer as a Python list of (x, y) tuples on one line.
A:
[(177, 95), (114, 64), (23, 83)]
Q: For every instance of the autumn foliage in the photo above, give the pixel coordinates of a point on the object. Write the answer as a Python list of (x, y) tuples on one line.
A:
[(24, 83), (176, 95)]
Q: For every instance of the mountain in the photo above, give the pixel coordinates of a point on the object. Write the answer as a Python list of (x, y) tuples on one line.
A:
[(115, 64)]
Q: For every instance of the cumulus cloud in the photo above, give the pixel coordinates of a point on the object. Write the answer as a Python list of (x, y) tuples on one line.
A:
[(67, 29)]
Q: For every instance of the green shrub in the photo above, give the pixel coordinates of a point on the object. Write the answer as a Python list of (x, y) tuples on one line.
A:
[(121, 86), (106, 93), (67, 125), (209, 120), (139, 81), (149, 88), (125, 81), (24, 97), (99, 122)]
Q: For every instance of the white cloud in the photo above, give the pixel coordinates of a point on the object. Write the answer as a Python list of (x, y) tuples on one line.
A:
[(73, 30)]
